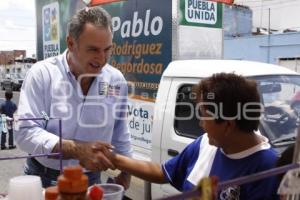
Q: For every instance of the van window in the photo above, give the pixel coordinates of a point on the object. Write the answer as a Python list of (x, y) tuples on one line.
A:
[(186, 122)]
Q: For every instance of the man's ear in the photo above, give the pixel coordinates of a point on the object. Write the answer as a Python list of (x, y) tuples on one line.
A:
[(70, 43)]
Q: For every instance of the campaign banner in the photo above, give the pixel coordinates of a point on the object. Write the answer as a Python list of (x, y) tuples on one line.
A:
[(140, 120), (142, 44), (52, 17), (51, 44), (142, 49)]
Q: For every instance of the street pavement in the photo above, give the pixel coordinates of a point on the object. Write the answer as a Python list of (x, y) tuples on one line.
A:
[(10, 168)]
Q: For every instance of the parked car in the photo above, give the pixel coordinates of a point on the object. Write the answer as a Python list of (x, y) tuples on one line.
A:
[(12, 82)]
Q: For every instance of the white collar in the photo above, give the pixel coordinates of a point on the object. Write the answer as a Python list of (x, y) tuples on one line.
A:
[(261, 146)]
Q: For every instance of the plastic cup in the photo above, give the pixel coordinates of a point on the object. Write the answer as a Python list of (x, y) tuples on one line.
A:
[(112, 191), (25, 187)]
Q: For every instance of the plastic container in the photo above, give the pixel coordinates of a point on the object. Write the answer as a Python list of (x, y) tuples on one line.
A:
[(25, 187), (112, 191)]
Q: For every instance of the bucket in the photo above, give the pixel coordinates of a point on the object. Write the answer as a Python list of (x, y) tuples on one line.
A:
[(25, 187)]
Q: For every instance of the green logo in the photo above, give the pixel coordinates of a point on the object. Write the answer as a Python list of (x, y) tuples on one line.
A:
[(201, 13)]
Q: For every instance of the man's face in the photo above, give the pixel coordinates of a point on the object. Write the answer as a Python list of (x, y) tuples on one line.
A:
[(91, 51)]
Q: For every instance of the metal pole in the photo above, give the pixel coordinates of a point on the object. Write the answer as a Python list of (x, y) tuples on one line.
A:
[(269, 36), (60, 147), (261, 13), (296, 70)]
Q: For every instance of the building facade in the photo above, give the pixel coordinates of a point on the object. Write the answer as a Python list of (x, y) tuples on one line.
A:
[(282, 49), (8, 57)]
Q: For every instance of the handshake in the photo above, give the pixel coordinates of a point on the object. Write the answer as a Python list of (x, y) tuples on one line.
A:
[(95, 156), (99, 156)]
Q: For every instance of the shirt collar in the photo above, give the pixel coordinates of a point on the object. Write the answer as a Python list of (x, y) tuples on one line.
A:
[(261, 146)]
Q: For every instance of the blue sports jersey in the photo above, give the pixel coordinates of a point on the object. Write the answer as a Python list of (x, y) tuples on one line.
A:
[(199, 159)]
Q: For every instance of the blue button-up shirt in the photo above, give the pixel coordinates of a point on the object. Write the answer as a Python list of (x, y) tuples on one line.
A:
[(50, 87)]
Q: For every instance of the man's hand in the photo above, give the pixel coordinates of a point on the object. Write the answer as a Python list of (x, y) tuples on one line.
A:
[(91, 155), (123, 179)]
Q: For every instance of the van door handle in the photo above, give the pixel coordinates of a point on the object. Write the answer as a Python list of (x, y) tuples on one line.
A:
[(172, 152)]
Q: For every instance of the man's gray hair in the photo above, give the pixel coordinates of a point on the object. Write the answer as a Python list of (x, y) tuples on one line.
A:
[(94, 15)]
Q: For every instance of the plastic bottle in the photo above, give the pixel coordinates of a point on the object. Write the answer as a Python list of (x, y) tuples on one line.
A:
[(51, 193), (72, 184)]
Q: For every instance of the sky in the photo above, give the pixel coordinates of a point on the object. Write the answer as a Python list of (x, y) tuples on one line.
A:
[(17, 26), (17, 20)]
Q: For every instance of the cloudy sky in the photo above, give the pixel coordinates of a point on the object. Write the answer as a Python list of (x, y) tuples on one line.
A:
[(17, 25)]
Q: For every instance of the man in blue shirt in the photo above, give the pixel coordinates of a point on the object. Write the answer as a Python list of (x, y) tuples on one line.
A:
[(8, 108), (88, 94), (229, 107)]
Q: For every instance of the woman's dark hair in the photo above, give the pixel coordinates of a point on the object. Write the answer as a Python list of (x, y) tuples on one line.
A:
[(231, 97)]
